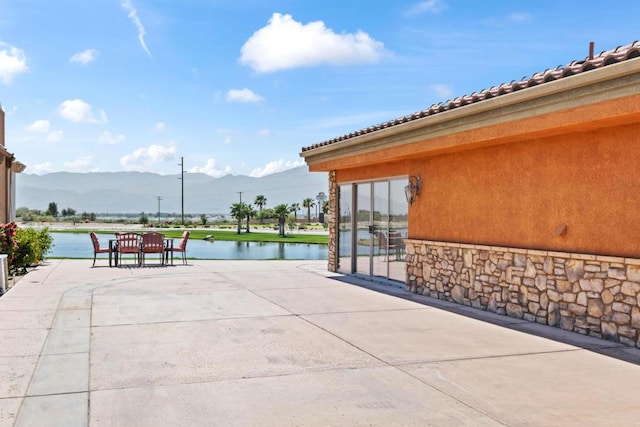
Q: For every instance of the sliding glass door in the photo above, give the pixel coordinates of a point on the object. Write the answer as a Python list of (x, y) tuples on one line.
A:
[(380, 222), (345, 229), (364, 242), (372, 228)]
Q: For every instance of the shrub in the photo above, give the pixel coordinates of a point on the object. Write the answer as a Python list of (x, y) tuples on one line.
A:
[(8, 243), (33, 245)]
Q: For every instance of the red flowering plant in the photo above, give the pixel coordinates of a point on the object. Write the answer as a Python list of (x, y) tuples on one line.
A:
[(8, 242)]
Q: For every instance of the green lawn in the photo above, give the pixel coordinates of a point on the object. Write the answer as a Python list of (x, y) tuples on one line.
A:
[(227, 235), (224, 235)]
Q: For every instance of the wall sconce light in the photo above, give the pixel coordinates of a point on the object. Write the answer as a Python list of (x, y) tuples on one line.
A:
[(412, 189)]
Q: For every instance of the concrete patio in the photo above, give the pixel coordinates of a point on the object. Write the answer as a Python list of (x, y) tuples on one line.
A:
[(279, 343)]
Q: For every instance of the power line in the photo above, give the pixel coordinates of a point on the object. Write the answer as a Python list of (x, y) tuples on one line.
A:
[(182, 182)]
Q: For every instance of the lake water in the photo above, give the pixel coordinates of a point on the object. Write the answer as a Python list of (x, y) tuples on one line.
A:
[(78, 245)]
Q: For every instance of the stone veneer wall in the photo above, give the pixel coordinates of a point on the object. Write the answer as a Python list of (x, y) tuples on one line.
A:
[(588, 294), (332, 223)]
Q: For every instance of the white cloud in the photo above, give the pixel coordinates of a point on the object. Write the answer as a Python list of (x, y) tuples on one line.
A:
[(431, 6), (161, 126), (12, 62), (264, 132), (226, 135), (275, 166), (518, 17), (284, 43), (54, 136), (39, 126), (108, 138), (243, 95), (85, 56), (42, 168), (81, 164), (143, 159), (442, 90), (44, 127), (133, 16), (78, 111), (211, 169), (508, 20)]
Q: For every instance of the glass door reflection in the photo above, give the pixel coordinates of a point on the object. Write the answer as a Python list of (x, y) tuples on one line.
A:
[(364, 230)]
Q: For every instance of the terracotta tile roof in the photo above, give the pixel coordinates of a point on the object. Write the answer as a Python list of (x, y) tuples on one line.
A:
[(621, 53)]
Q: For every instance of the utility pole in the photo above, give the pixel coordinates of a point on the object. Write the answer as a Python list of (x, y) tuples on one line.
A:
[(182, 182), (240, 193), (159, 198)]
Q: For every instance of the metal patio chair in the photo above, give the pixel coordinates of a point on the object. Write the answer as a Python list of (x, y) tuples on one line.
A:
[(386, 245), (97, 249), (181, 248), (152, 243), (128, 243)]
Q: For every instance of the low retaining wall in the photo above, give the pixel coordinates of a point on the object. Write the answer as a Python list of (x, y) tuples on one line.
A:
[(588, 294)]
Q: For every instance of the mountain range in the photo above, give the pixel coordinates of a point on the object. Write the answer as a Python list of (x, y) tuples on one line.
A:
[(137, 192)]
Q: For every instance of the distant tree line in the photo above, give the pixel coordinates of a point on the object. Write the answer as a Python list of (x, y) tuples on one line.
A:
[(30, 215), (242, 211)]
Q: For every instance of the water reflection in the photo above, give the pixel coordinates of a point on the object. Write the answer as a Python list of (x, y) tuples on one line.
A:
[(72, 245)]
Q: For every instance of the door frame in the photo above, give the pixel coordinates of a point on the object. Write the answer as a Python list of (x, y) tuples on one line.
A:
[(371, 224)]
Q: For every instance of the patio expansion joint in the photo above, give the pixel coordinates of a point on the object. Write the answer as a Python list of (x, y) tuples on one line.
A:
[(344, 341), (66, 393), (398, 367), (213, 319), (401, 366), (91, 326), (452, 396), (243, 378), (381, 310), (493, 356), (35, 375)]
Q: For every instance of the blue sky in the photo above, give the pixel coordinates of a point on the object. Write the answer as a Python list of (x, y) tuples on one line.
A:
[(238, 87)]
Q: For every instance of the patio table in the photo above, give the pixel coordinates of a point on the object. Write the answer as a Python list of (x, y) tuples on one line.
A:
[(168, 247), (113, 250), (113, 253)]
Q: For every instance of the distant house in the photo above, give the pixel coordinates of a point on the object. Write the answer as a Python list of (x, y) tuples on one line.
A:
[(10, 167), (525, 198)]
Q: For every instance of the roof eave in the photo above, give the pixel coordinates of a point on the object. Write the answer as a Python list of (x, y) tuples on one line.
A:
[(465, 113)]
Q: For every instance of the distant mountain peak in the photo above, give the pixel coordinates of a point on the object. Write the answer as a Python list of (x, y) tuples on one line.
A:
[(135, 192)]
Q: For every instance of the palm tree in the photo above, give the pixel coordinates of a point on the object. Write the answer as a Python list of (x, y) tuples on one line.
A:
[(260, 202), (281, 211), (295, 207), (238, 212), (308, 203), (249, 213)]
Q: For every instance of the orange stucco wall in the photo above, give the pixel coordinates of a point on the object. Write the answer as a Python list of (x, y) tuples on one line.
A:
[(613, 113), (521, 193)]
